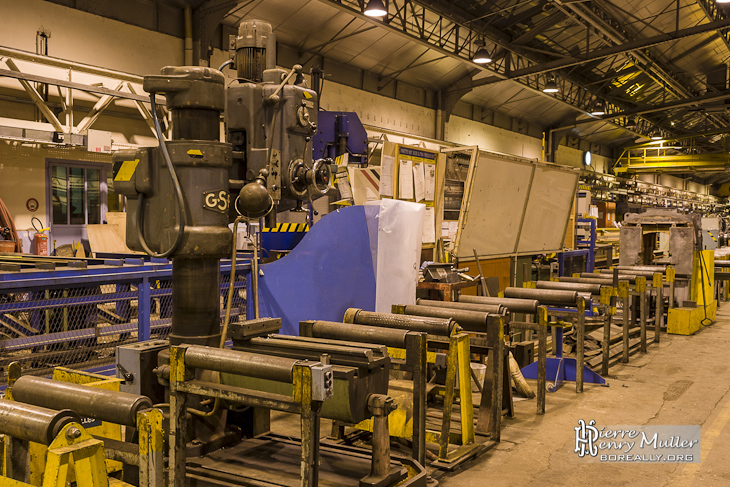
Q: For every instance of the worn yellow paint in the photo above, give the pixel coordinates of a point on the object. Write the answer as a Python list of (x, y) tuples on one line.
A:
[(126, 172), (302, 385), (670, 274), (400, 424), (640, 284), (177, 364), (195, 152), (83, 456), (623, 289), (106, 429), (657, 280), (606, 295), (686, 321), (400, 354), (466, 406)]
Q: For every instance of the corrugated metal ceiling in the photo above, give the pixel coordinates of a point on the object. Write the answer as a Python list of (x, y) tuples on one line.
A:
[(549, 30)]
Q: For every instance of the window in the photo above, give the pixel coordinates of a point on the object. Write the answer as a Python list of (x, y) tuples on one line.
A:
[(76, 195)]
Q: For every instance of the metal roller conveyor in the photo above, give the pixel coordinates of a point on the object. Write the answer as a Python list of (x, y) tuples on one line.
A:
[(305, 348), (469, 320), (33, 423), (254, 365), (513, 305), (609, 272), (571, 286), (389, 337), (643, 268), (442, 326), (496, 309), (622, 277), (545, 296), (112, 406), (359, 369), (585, 280)]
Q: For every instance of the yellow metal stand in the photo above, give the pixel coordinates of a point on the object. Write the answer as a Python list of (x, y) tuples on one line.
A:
[(457, 368), (73, 454)]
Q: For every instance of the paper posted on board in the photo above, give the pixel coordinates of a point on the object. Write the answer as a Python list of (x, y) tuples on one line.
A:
[(429, 225), (405, 179), (387, 166), (418, 182)]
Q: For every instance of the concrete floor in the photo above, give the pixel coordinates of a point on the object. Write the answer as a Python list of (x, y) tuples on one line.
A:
[(679, 381)]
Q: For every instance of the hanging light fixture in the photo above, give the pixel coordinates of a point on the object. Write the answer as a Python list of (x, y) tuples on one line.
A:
[(655, 135), (482, 56), (551, 86), (598, 109), (375, 8)]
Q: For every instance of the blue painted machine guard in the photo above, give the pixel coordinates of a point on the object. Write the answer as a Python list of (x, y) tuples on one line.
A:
[(329, 271), (560, 369)]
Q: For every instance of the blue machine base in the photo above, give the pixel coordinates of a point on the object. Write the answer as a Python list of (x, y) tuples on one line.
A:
[(561, 369)]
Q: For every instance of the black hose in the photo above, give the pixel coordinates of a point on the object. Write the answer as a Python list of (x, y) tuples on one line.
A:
[(36, 219), (182, 214)]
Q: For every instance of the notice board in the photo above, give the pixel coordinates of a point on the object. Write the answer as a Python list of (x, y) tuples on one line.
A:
[(412, 173)]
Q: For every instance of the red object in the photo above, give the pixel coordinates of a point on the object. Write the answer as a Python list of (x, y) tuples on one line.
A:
[(40, 244)]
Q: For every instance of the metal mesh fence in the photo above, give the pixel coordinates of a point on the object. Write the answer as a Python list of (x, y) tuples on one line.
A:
[(80, 327)]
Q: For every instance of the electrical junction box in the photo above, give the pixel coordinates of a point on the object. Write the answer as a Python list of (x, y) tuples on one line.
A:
[(99, 141)]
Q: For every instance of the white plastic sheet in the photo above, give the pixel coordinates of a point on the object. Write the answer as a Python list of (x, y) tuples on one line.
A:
[(400, 228)]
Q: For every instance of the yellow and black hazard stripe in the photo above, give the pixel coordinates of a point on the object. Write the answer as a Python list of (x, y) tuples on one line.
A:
[(288, 227), (711, 236)]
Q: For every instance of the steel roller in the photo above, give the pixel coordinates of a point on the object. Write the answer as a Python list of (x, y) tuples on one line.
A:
[(441, 326), (256, 365), (513, 305), (469, 320), (390, 337), (622, 277), (643, 268), (571, 286), (33, 423), (544, 296), (112, 406), (496, 309)]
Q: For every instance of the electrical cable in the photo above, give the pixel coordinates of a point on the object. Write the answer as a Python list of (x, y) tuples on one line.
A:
[(227, 319), (178, 193), (227, 63)]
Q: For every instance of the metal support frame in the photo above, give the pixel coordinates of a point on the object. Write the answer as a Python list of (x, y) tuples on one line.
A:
[(559, 368), (415, 357), (623, 294), (134, 272), (458, 367), (608, 300), (301, 402), (659, 312), (73, 450), (123, 90), (541, 328), (149, 455), (642, 289)]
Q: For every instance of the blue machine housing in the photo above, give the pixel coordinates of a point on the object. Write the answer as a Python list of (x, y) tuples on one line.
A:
[(338, 130)]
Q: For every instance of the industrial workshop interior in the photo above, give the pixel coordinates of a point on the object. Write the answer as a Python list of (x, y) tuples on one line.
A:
[(370, 243)]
